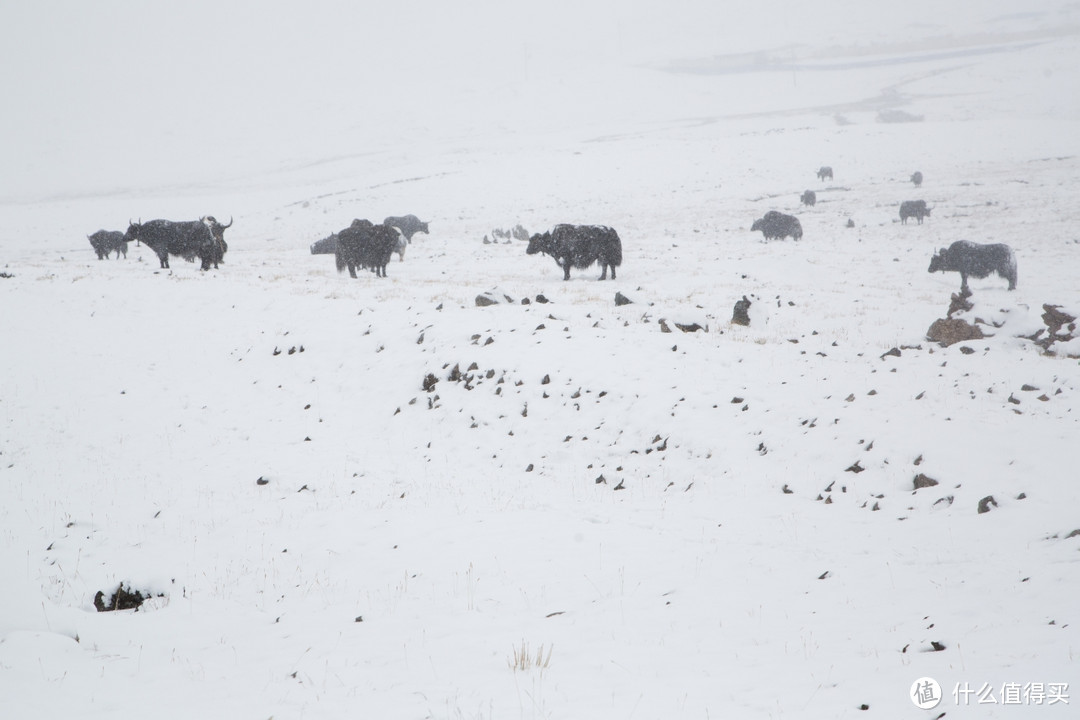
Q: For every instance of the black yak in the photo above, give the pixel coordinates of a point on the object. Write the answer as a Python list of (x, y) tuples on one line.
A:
[(809, 198), (778, 225), (105, 242), (326, 246), (824, 172), (977, 261), (218, 231), (579, 246), (916, 178), (186, 239), (409, 225), (913, 209), (365, 245)]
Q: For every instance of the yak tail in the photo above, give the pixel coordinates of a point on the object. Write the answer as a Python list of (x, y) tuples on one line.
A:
[(615, 250)]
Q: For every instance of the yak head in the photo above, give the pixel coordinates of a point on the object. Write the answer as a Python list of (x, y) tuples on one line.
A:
[(540, 243), (133, 231), (759, 224), (938, 261), (216, 228)]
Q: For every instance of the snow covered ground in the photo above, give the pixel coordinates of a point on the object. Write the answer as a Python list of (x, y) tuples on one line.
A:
[(592, 517)]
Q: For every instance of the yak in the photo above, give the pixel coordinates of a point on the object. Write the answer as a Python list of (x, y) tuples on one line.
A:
[(105, 242), (327, 246), (824, 172), (916, 178), (809, 198), (186, 239), (977, 261), (218, 231), (365, 245), (579, 246), (913, 209), (778, 225), (409, 225)]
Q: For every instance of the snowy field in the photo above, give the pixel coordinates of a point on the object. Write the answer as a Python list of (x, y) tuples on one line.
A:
[(590, 513)]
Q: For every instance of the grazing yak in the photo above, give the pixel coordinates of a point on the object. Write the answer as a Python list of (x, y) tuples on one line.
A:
[(579, 246), (913, 209), (365, 245), (824, 172), (326, 246), (977, 261), (409, 225), (809, 198), (778, 225), (188, 240), (105, 242), (917, 178), (218, 231)]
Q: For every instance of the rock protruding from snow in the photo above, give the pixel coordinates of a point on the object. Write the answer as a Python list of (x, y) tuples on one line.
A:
[(948, 331), (493, 297), (741, 314)]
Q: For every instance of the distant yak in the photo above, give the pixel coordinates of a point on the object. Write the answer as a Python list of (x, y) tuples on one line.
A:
[(218, 231), (913, 209), (579, 246), (977, 261), (365, 245), (409, 225), (185, 239), (824, 172), (778, 225), (809, 198), (105, 242), (917, 178)]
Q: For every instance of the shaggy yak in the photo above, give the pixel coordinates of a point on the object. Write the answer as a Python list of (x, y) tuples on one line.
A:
[(409, 225), (824, 172), (365, 245), (778, 225), (913, 209), (188, 240), (809, 198), (579, 246), (105, 242), (977, 261)]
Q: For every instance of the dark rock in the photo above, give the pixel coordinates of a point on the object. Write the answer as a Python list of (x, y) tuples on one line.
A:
[(621, 299), (959, 303), (967, 350), (740, 315), (924, 481), (895, 352), (693, 327), (122, 599), (986, 504), (952, 330)]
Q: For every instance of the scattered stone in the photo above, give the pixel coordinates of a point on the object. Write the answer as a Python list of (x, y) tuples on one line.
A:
[(740, 315), (736, 400), (429, 382), (1028, 388), (122, 599), (937, 647), (966, 350), (621, 299), (850, 223), (542, 300), (600, 480), (986, 504), (529, 468), (262, 481), (493, 297), (924, 481), (620, 486), (664, 326), (895, 352), (692, 327), (786, 490), (855, 468), (1014, 400), (952, 330), (958, 303)]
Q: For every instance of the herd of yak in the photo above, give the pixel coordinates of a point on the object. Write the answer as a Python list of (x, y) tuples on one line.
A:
[(369, 246)]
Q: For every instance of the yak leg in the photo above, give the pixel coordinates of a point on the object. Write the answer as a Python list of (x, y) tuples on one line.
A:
[(965, 291), (566, 269), (352, 269), (603, 271)]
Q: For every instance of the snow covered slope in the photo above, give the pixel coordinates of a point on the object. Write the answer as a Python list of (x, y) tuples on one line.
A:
[(581, 514)]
